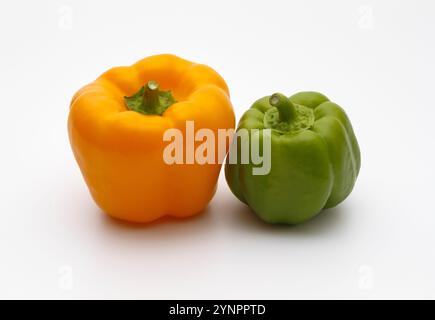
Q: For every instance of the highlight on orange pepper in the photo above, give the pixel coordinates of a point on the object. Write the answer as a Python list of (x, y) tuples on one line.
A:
[(116, 126)]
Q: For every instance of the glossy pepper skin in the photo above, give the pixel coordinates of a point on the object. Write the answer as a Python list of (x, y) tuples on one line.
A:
[(120, 151), (315, 158)]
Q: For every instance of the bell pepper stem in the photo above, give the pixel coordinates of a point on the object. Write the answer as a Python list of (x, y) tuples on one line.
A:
[(151, 95), (150, 100), (286, 109)]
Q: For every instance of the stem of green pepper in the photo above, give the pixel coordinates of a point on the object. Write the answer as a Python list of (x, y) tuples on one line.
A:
[(286, 109)]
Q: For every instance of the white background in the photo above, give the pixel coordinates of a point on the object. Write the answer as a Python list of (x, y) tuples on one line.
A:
[(376, 59)]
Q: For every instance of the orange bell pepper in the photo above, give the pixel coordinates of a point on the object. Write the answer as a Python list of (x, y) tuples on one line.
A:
[(119, 146)]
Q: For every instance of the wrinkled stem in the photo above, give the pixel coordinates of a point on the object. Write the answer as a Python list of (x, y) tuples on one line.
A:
[(286, 109), (151, 95), (150, 100)]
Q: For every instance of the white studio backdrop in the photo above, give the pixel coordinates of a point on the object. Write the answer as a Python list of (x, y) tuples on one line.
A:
[(374, 58)]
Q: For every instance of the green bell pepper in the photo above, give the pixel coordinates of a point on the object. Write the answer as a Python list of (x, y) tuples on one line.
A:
[(315, 157)]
